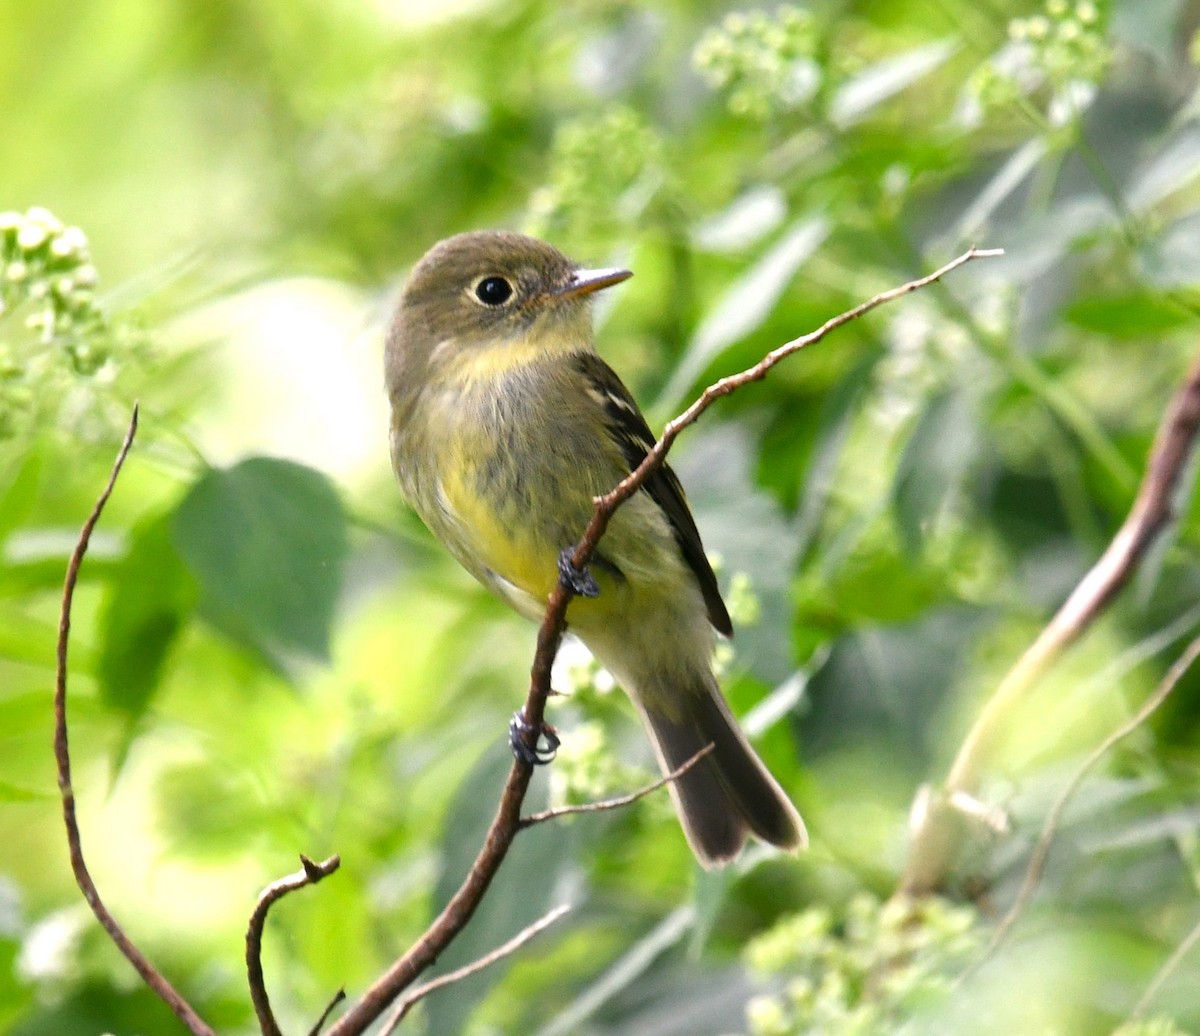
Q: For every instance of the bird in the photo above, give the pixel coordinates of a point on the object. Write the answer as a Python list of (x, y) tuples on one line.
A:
[(505, 424)]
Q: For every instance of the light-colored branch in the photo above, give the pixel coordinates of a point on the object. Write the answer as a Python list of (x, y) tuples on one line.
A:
[(62, 758), (309, 874), (1166, 971), (621, 801), (1041, 850), (507, 821), (935, 838), (487, 960)]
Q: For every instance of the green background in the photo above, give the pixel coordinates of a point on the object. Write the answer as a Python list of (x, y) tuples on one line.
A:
[(271, 656)]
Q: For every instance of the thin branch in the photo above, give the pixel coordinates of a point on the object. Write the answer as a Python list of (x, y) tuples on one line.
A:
[(1166, 971), (1037, 859), (337, 998), (62, 758), (487, 960), (309, 874), (934, 843), (621, 801), (607, 504), (507, 821)]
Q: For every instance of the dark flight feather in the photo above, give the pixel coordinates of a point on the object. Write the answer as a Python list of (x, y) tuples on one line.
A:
[(629, 427)]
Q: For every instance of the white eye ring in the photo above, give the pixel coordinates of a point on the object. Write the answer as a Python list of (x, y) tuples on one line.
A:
[(492, 291)]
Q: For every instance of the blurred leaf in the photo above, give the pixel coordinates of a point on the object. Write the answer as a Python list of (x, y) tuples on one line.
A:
[(29, 640), (151, 597), (1000, 187), (745, 304), (12, 793), (1172, 169), (267, 542), (93, 1008), (888, 678), (626, 970), (1134, 315), (875, 84), (21, 483), (744, 222), (932, 465), (1172, 260), (746, 528)]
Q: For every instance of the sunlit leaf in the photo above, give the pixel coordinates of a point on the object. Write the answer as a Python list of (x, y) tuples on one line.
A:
[(747, 219), (14, 793), (875, 84)]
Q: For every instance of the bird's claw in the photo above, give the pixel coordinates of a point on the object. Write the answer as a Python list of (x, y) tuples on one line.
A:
[(535, 754), (578, 580)]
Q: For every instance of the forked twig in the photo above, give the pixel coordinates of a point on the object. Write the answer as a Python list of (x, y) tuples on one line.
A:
[(62, 758), (488, 959), (309, 874), (620, 801)]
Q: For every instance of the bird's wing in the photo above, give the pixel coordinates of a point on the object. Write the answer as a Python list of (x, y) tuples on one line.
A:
[(630, 430)]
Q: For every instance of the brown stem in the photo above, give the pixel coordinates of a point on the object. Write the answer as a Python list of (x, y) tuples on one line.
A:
[(936, 833), (309, 874), (62, 758)]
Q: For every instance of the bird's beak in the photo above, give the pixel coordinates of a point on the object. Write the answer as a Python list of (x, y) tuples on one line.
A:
[(584, 282)]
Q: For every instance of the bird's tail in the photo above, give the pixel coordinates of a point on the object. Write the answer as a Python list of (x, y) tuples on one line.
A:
[(728, 794)]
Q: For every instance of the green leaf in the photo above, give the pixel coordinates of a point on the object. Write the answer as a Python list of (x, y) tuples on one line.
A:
[(1172, 169), (151, 597), (26, 639), (746, 304), (14, 793), (1172, 260), (1128, 315), (935, 459), (267, 542), (22, 479), (874, 85)]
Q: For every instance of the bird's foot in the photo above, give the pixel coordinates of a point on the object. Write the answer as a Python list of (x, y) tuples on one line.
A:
[(578, 580), (535, 754)]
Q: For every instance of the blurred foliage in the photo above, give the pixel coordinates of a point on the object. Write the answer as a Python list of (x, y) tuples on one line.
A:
[(209, 207)]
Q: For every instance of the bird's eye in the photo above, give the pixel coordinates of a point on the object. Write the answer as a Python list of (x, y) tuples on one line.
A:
[(493, 291)]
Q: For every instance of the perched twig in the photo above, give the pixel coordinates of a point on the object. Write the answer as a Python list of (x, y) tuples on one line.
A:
[(934, 838), (1041, 850), (309, 874), (62, 757), (621, 801), (507, 822), (488, 959)]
